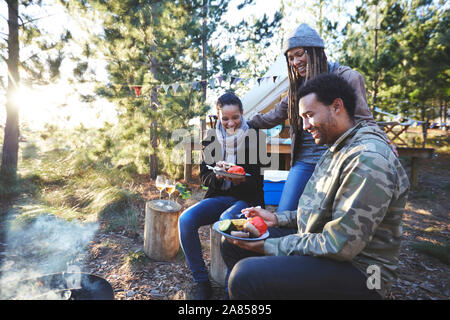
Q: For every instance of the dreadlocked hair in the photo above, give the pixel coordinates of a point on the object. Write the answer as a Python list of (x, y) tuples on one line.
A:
[(316, 64)]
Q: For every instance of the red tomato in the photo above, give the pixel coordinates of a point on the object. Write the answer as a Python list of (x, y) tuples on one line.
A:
[(259, 223), (236, 170)]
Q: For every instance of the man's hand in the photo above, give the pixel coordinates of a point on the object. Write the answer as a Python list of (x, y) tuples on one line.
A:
[(269, 218), (256, 246)]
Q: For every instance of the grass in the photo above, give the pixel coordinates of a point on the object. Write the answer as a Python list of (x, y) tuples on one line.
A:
[(62, 177), (436, 139), (436, 250), (425, 194), (432, 230), (136, 259)]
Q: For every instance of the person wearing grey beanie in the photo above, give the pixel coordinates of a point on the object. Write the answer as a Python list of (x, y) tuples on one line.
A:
[(305, 56)]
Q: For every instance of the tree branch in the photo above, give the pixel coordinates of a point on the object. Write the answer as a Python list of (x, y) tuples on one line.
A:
[(36, 19)]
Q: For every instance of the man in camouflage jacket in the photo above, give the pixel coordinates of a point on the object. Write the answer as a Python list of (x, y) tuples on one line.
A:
[(348, 223)]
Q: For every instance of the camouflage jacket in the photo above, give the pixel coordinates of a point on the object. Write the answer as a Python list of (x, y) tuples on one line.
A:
[(352, 207)]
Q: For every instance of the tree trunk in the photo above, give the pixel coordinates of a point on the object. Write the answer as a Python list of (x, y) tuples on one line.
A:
[(154, 106), (425, 118), (204, 66), (153, 134), (11, 138), (443, 114)]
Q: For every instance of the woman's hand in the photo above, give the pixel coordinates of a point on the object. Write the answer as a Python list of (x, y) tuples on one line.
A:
[(269, 218), (224, 166), (236, 180), (221, 165)]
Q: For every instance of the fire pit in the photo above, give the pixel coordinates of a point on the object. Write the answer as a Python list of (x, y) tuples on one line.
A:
[(60, 286)]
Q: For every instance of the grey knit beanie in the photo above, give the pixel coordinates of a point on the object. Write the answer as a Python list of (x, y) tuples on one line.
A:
[(303, 36)]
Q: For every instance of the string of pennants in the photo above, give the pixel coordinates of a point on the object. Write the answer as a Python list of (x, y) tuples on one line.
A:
[(140, 90), (410, 122)]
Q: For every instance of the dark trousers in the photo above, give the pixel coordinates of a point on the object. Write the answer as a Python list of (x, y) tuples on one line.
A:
[(255, 276)]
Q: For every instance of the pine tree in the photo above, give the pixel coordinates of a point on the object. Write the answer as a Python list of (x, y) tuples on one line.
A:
[(155, 44), (41, 65), (412, 55)]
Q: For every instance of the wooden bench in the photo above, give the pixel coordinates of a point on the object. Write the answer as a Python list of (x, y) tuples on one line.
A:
[(415, 154)]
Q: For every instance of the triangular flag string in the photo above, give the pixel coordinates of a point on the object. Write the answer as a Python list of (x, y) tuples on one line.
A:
[(137, 89)]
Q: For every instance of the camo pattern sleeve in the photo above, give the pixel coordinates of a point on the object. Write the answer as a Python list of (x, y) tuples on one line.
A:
[(287, 219)]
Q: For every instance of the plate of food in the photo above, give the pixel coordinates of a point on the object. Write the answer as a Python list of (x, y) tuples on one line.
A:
[(252, 229), (232, 171)]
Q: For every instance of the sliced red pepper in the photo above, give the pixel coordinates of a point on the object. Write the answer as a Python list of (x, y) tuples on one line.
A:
[(259, 224), (236, 170)]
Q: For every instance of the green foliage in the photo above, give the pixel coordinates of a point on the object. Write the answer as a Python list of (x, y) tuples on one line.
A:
[(9, 187), (412, 55), (156, 43), (136, 259), (69, 180), (183, 190), (30, 151)]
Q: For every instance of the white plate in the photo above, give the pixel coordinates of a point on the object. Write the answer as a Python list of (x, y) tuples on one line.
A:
[(216, 227), (227, 174)]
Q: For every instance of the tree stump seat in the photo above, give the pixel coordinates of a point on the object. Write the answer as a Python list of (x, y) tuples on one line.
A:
[(161, 241), (218, 269)]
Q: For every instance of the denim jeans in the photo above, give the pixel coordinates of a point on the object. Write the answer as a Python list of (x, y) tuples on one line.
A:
[(298, 176), (255, 276), (203, 213)]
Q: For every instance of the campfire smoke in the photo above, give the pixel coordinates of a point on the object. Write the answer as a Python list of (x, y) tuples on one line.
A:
[(48, 245)]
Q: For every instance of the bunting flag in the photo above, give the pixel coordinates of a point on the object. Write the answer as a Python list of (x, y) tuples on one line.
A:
[(234, 81), (137, 89), (212, 83), (117, 87)]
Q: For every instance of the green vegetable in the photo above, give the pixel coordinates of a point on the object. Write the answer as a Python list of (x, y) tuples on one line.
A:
[(226, 226)]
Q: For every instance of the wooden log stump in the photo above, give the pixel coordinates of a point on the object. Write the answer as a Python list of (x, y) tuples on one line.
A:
[(161, 241), (218, 267)]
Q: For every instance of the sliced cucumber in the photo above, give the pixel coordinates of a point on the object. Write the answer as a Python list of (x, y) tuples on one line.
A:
[(226, 226)]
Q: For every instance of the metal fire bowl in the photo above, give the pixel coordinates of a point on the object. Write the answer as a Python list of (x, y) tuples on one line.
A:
[(70, 286)]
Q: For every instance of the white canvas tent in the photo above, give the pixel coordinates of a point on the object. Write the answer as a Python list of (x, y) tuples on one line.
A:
[(264, 96)]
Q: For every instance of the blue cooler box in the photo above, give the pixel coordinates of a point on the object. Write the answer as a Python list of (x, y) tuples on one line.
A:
[(273, 186)]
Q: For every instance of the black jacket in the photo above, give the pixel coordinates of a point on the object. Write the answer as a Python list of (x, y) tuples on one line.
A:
[(251, 190)]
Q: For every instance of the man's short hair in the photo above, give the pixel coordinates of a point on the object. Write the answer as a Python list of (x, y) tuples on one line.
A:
[(229, 98), (327, 88)]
